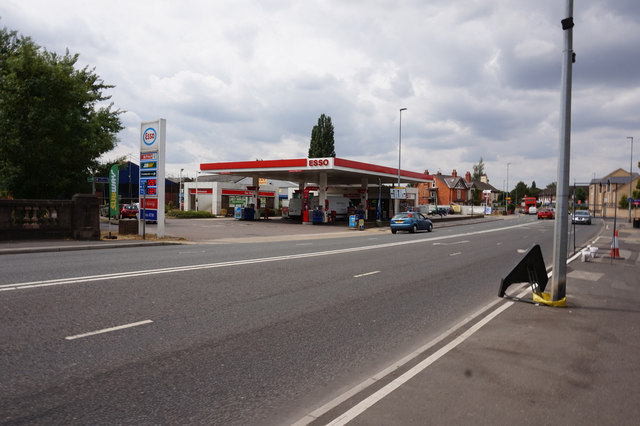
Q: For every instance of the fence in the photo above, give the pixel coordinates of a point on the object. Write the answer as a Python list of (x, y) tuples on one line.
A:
[(77, 218)]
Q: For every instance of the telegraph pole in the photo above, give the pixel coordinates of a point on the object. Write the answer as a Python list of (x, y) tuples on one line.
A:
[(560, 234)]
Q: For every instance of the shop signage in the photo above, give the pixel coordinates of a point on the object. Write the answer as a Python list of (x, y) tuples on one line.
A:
[(320, 162), (152, 173), (113, 188)]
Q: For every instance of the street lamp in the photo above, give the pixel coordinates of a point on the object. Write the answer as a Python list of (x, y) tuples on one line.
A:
[(397, 202), (630, 175), (181, 195), (508, 183)]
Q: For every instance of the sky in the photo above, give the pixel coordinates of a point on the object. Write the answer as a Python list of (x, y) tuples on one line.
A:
[(247, 79)]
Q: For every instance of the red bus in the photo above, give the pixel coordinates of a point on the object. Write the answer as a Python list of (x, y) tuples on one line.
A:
[(528, 203)]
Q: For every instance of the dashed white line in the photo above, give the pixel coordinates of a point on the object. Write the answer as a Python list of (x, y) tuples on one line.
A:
[(107, 330), (366, 274), (456, 253)]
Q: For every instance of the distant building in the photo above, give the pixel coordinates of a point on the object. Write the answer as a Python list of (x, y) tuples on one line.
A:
[(602, 193)]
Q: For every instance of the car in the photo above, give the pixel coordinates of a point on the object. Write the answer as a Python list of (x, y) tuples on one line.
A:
[(581, 216), (410, 221), (545, 214), (129, 211)]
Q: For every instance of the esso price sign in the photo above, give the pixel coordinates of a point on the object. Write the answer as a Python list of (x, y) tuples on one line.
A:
[(149, 136), (318, 162)]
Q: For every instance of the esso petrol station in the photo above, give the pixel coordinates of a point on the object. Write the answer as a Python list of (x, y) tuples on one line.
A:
[(325, 181)]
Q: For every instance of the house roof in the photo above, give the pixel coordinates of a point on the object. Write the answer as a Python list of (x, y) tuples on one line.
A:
[(456, 182), (616, 180), (484, 186)]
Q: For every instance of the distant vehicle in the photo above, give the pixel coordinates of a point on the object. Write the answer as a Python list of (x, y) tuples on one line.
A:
[(410, 221), (581, 216), (530, 205), (545, 214), (129, 211)]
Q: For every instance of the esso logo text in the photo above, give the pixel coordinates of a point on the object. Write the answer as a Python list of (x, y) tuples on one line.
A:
[(149, 136), (318, 162)]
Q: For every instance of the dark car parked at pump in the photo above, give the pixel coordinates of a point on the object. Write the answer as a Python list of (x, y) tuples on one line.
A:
[(410, 221)]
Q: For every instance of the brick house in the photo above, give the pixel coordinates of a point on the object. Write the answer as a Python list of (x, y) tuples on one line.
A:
[(452, 189)]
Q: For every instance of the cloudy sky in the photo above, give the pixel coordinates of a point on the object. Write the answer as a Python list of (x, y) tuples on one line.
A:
[(246, 79)]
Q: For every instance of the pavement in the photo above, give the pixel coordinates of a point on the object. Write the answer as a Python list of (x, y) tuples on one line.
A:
[(516, 362)]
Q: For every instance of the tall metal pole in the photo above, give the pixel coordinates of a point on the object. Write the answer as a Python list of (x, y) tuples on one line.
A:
[(396, 204), (559, 277), (508, 195), (630, 175)]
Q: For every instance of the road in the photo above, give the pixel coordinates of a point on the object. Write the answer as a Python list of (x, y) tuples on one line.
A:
[(256, 333)]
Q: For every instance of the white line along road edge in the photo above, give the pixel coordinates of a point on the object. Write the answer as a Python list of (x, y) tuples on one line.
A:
[(107, 330)]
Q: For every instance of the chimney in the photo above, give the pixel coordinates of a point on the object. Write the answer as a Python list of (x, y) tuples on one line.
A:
[(426, 172), (467, 177), (454, 173)]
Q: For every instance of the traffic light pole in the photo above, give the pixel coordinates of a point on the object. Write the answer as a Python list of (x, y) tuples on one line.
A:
[(560, 234)]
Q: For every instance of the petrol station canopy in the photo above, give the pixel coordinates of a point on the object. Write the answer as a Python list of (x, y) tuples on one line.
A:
[(339, 171)]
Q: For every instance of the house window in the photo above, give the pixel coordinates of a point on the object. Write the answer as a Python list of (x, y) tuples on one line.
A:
[(459, 194)]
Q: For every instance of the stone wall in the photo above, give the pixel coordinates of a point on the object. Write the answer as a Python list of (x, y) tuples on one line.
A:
[(77, 218)]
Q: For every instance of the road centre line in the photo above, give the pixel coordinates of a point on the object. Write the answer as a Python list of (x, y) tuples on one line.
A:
[(120, 275), (107, 330), (456, 253), (366, 274)]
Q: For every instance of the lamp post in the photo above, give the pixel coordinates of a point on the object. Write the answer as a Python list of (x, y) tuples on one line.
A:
[(508, 164), (630, 175), (397, 202), (181, 194)]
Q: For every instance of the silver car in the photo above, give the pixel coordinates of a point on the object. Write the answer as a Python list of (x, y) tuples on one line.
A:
[(581, 216)]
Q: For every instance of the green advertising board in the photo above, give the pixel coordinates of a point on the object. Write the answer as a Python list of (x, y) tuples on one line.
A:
[(113, 191)]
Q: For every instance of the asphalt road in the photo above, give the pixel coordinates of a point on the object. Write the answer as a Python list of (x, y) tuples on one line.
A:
[(247, 333)]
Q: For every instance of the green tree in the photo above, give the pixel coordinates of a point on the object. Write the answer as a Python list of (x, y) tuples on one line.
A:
[(478, 171), (519, 191), (624, 202), (580, 195), (53, 122), (322, 142)]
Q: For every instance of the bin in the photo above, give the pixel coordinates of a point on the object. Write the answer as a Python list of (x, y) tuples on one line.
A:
[(636, 223), (317, 217), (127, 227), (248, 213)]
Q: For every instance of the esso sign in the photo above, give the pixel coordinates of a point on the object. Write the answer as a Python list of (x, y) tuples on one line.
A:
[(149, 136), (318, 162)]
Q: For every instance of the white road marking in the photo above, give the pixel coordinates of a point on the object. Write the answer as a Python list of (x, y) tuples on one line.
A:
[(456, 253), (366, 274), (372, 399), (522, 250), (107, 330), (395, 384), (450, 244), (176, 269)]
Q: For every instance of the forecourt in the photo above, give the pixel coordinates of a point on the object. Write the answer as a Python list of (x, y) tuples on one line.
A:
[(320, 174)]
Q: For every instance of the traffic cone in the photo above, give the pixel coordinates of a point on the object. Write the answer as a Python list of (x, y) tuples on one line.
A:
[(615, 251)]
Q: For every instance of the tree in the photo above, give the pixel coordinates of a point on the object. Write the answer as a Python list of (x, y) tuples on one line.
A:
[(580, 195), (53, 128), (478, 171), (520, 191), (322, 143)]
